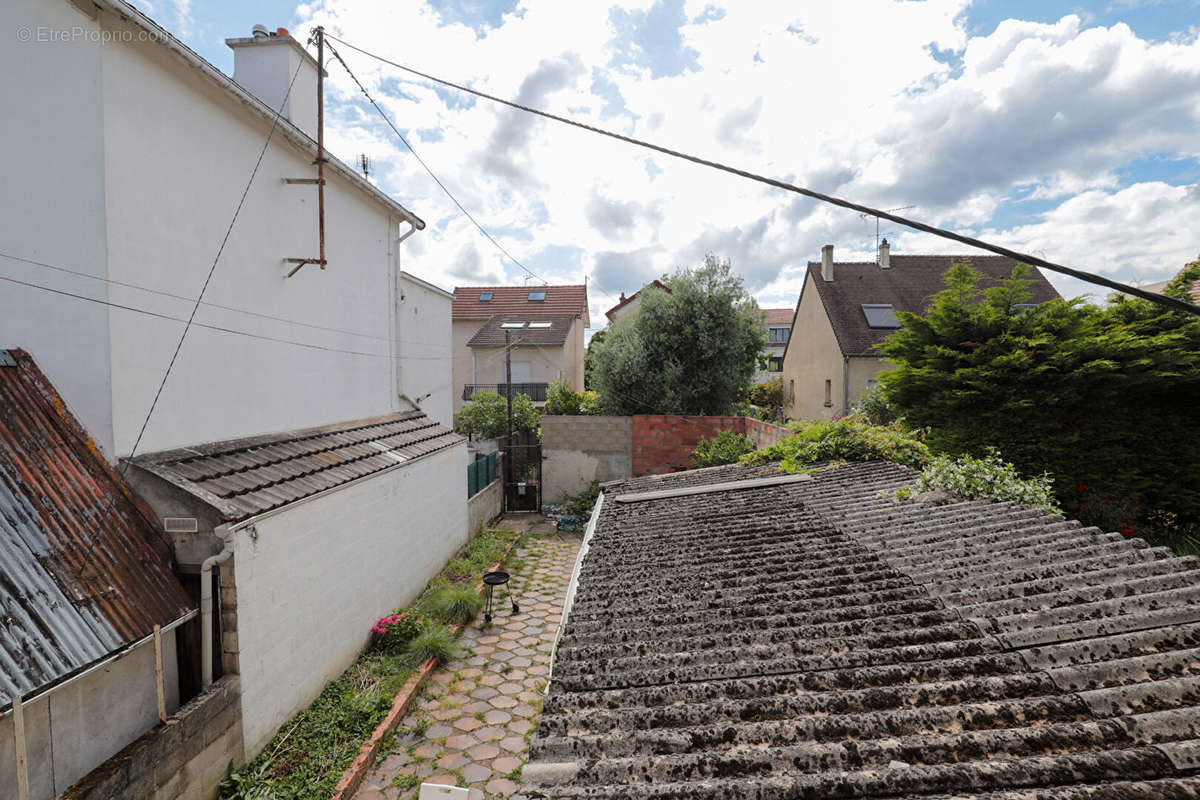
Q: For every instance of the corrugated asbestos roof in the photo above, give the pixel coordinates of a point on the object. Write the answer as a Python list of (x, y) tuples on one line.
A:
[(245, 477), (816, 640), (492, 332), (515, 300), (64, 603), (907, 286)]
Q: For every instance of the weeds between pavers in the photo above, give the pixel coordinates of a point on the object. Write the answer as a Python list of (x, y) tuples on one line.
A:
[(312, 750)]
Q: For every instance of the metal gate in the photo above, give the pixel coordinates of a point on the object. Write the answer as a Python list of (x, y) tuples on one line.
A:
[(523, 472)]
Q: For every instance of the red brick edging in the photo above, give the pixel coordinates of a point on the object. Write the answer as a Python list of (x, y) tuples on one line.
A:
[(352, 778)]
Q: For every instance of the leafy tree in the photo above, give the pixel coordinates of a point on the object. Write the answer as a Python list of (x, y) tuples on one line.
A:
[(692, 351), (589, 359), (768, 396), (562, 399), (1100, 397), (487, 415)]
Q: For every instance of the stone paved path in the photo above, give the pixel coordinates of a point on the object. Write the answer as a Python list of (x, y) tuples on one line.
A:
[(478, 712)]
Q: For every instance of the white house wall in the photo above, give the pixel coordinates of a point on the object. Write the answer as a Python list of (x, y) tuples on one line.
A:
[(426, 350), (179, 152), (74, 729), (312, 580), (52, 196)]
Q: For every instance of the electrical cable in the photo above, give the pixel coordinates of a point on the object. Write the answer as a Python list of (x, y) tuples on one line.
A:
[(1162, 300), (420, 160)]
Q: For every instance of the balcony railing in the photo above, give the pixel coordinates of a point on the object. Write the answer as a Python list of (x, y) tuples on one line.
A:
[(536, 391)]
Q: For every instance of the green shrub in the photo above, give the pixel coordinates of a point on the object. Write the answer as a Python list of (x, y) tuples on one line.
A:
[(990, 478), (391, 634), (581, 505), (487, 415), (727, 447), (848, 439), (874, 407), (453, 604), (434, 641)]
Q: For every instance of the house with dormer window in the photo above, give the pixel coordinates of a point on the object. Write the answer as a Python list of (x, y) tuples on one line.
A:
[(542, 325), (846, 309)]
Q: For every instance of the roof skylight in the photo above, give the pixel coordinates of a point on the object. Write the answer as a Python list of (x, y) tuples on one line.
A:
[(512, 324), (539, 324), (538, 295), (880, 315), (485, 297)]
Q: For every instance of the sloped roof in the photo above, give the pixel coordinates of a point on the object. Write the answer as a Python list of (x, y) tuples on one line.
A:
[(907, 286), (780, 316), (816, 640), (245, 477), (492, 332), (71, 593), (515, 300), (624, 301)]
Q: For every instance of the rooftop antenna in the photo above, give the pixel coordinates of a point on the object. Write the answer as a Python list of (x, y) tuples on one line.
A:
[(365, 163), (868, 216)]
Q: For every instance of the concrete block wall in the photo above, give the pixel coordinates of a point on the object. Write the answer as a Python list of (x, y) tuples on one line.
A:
[(185, 758), (486, 505), (311, 580), (579, 450)]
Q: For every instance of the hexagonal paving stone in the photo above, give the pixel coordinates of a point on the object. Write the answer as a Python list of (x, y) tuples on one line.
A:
[(496, 717), (481, 752), (467, 724), (476, 773)]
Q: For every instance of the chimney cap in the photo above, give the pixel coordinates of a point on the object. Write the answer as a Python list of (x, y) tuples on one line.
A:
[(259, 31)]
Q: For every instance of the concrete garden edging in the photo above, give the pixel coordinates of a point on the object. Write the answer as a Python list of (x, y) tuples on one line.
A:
[(353, 777)]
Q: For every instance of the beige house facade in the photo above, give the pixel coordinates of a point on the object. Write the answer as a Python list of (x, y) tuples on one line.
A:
[(847, 309), (544, 326)]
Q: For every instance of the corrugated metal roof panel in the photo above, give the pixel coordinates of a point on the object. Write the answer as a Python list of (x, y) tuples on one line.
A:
[(64, 602), (245, 477)]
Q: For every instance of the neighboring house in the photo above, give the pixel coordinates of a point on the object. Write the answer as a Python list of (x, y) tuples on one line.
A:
[(736, 632), (84, 580), (291, 432), (545, 325), (1160, 285), (627, 306), (778, 329), (847, 308)]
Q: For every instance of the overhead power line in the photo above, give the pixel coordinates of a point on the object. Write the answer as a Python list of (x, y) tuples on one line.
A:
[(1099, 280), (420, 160)]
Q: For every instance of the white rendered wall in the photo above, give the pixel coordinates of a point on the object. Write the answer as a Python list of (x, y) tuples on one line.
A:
[(74, 729), (426, 348), (52, 196), (314, 578)]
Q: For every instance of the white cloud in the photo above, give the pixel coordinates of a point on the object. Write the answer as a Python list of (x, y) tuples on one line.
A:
[(846, 97)]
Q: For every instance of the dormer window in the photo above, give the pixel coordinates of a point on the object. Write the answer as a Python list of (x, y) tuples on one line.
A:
[(486, 297), (880, 315), (537, 296)]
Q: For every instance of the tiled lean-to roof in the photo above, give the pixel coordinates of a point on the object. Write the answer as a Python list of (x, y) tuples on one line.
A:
[(814, 640), (245, 477), (83, 573), (541, 330)]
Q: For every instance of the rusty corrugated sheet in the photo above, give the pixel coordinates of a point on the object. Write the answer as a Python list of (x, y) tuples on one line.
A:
[(245, 477), (65, 603)]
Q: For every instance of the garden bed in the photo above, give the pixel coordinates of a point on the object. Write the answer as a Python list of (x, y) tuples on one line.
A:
[(308, 757)]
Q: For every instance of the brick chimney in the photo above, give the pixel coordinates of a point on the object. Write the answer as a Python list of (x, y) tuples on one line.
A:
[(827, 262), (263, 64), (885, 255)]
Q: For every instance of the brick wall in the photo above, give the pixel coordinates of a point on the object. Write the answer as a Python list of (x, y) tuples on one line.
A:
[(185, 758), (664, 443)]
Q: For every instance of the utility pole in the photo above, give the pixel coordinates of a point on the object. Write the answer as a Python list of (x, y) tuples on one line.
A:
[(321, 141), (508, 394)]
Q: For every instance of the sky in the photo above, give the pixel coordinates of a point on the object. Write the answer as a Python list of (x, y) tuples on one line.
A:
[(1065, 130)]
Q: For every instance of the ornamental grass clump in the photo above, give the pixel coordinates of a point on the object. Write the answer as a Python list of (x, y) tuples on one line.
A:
[(391, 634), (434, 641), (987, 478), (453, 604)]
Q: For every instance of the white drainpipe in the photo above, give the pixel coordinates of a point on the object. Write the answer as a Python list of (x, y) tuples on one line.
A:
[(207, 623)]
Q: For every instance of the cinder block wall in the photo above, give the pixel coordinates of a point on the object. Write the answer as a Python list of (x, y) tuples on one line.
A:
[(186, 758), (579, 450)]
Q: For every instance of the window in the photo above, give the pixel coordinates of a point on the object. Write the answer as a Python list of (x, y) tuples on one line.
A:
[(775, 364), (486, 297), (539, 324), (880, 315), (512, 324), (539, 295), (828, 392), (778, 335)]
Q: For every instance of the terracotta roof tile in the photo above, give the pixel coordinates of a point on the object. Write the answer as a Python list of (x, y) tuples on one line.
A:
[(515, 300)]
